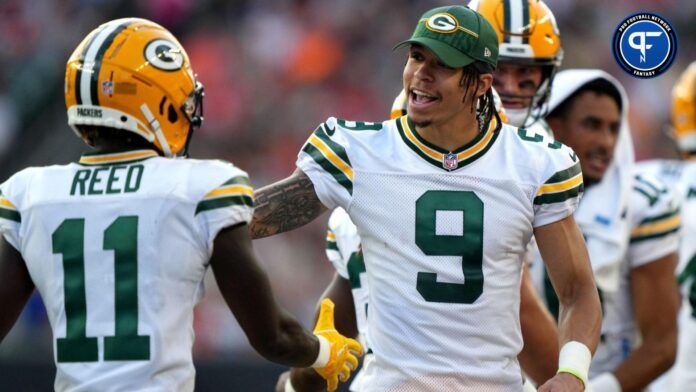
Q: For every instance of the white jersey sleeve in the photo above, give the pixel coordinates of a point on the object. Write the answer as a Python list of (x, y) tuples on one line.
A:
[(230, 202), (325, 160), (655, 221), (11, 195), (342, 242), (559, 195)]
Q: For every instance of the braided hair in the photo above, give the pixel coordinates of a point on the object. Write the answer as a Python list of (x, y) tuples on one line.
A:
[(484, 105)]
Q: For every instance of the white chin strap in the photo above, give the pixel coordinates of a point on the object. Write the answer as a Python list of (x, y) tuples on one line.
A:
[(517, 117)]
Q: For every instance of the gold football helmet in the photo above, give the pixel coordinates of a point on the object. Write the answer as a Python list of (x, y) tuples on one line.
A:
[(527, 35), (684, 111), (133, 74)]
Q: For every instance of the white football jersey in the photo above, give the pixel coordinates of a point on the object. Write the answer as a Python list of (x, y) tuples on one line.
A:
[(655, 221), (117, 245), (345, 253), (443, 236), (682, 176)]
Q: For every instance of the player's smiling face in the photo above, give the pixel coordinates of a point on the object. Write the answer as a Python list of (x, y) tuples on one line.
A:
[(517, 84), (434, 90), (591, 128)]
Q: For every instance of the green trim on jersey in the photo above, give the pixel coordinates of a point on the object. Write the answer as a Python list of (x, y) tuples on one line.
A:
[(331, 245), (118, 157), (237, 180), (8, 210), (238, 200), (558, 197), (331, 159), (13, 215), (467, 153), (657, 226), (565, 174), (555, 191)]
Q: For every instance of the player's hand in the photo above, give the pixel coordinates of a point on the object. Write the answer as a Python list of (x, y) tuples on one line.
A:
[(343, 357), (562, 382)]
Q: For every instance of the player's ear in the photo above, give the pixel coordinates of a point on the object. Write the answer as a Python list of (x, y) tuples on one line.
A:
[(485, 82)]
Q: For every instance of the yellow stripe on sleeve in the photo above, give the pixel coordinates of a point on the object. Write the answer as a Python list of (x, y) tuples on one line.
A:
[(561, 186), (328, 153), (667, 224)]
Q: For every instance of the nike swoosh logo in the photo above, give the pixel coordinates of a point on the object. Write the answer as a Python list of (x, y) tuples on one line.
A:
[(573, 156)]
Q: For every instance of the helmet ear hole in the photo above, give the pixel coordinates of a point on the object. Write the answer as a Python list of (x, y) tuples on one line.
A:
[(172, 116)]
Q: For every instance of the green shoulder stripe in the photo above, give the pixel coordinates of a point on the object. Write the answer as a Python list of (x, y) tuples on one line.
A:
[(664, 216), (565, 174), (331, 245), (558, 197), (325, 164), (651, 236), (238, 200), (10, 214), (238, 180)]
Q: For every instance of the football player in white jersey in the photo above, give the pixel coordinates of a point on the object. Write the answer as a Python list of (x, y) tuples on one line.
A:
[(681, 174), (445, 201), (529, 55), (118, 243), (590, 119)]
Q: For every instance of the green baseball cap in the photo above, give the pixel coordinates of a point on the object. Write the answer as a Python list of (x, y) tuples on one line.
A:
[(457, 35)]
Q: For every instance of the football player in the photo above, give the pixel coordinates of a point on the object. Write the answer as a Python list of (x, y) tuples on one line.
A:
[(681, 175), (588, 114), (529, 55), (445, 201), (118, 243)]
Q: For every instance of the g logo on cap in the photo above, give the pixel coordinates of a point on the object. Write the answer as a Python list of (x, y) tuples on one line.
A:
[(442, 23)]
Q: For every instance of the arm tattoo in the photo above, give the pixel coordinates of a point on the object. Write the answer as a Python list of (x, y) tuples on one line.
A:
[(284, 206)]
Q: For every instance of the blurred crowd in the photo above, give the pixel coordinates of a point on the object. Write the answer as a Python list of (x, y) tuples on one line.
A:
[(273, 70)]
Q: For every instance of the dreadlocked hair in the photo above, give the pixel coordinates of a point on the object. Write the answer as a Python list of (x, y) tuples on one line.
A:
[(484, 106)]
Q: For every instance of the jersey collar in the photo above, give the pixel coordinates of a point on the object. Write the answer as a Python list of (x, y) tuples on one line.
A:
[(99, 158), (441, 158)]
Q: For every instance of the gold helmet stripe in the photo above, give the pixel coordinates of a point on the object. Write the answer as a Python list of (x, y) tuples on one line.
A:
[(88, 78)]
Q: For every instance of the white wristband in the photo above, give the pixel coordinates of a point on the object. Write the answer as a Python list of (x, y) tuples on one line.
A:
[(575, 359), (605, 382), (288, 386), (324, 353)]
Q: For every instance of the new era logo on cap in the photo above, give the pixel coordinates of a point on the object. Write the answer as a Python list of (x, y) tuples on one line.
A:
[(486, 52)]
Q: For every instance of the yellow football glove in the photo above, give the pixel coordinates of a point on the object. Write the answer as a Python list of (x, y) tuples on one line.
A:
[(338, 355)]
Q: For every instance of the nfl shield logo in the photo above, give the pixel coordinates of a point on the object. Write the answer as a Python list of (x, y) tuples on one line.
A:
[(450, 162), (108, 87)]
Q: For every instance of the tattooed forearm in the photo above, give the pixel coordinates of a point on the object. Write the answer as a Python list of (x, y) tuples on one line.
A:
[(284, 206)]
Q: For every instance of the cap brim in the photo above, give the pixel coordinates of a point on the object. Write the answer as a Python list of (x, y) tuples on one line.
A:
[(447, 54)]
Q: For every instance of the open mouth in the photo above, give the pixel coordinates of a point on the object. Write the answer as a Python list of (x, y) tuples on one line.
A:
[(420, 98)]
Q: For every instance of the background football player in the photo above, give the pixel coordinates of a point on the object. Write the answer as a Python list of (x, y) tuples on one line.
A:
[(588, 112), (681, 175)]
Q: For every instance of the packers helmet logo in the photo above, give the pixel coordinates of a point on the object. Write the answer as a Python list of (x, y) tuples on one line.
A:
[(164, 55), (442, 23)]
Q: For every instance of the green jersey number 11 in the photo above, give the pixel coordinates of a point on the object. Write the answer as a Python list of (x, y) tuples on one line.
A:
[(126, 345)]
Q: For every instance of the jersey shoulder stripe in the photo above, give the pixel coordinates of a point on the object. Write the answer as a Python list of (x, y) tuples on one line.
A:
[(562, 185), (100, 158), (331, 243), (331, 156), (235, 191), (657, 226), (8, 210)]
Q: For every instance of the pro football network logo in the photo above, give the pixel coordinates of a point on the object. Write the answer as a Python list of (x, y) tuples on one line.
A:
[(645, 45)]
